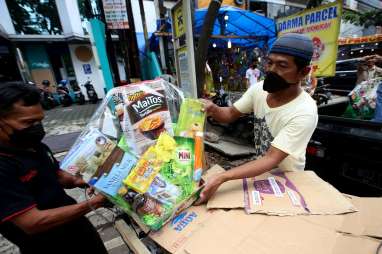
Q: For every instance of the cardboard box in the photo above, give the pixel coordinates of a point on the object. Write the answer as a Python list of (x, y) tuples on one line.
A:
[(282, 193), (235, 232), (175, 234), (366, 222), (198, 230)]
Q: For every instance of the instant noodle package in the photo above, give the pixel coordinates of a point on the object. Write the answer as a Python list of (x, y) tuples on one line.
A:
[(130, 151)]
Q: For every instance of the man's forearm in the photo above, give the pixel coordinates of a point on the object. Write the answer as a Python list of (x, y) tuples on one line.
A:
[(37, 221), (250, 169), (69, 181)]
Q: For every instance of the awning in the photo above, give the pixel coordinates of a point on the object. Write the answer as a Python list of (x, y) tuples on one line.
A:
[(243, 28)]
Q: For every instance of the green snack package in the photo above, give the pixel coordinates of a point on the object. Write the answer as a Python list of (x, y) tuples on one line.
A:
[(183, 162), (191, 118)]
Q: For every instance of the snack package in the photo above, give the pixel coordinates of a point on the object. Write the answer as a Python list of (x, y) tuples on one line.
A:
[(191, 118), (199, 154), (144, 172), (163, 191), (146, 114), (88, 154), (149, 210), (150, 163), (110, 182), (183, 164)]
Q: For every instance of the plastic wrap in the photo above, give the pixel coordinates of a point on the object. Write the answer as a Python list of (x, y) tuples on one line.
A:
[(132, 155)]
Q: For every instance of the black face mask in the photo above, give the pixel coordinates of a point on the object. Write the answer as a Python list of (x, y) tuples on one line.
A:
[(28, 137), (274, 83)]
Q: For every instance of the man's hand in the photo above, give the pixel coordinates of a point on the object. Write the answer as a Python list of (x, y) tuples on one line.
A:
[(208, 106), (69, 181), (210, 188), (374, 58), (97, 201), (79, 182), (220, 114)]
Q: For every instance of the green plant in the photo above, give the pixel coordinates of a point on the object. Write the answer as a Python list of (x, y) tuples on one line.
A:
[(371, 18)]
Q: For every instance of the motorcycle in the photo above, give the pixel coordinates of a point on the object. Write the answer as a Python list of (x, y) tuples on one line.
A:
[(321, 94), (78, 95), (63, 93), (92, 95)]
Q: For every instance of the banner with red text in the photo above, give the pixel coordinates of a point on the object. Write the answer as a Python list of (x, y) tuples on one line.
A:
[(322, 24)]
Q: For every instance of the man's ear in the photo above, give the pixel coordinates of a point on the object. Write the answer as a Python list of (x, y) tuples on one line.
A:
[(305, 71)]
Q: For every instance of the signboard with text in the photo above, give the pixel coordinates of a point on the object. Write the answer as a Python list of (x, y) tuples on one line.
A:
[(322, 24), (184, 47), (116, 14), (358, 40)]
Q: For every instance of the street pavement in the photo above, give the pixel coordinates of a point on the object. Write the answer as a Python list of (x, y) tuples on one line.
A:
[(62, 126)]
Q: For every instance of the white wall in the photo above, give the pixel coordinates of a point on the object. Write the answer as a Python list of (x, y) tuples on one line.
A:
[(70, 17), (168, 5), (96, 75), (149, 14), (5, 19)]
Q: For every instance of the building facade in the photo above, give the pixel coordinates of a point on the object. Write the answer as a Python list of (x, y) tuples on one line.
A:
[(48, 40)]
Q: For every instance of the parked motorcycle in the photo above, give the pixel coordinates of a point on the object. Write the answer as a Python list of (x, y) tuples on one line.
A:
[(47, 99), (220, 98), (78, 95), (321, 94), (63, 93), (92, 95)]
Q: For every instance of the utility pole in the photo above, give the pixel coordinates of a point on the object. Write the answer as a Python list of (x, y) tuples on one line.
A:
[(202, 50), (142, 10), (123, 41)]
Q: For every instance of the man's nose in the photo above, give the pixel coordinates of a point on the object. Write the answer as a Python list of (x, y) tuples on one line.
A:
[(270, 67)]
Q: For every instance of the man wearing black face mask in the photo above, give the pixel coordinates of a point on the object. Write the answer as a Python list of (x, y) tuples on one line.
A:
[(35, 212), (285, 115)]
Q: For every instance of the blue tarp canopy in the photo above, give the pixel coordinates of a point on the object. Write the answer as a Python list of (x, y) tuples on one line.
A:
[(255, 30)]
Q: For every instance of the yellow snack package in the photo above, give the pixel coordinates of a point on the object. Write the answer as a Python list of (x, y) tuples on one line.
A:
[(165, 147), (142, 175)]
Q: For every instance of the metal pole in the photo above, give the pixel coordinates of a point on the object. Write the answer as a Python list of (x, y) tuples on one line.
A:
[(158, 7), (125, 53), (132, 39), (110, 47), (143, 17), (202, 50)]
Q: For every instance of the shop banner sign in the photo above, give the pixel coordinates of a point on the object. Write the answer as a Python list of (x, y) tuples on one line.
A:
[(364, 39), (322, 24), (116, 14)]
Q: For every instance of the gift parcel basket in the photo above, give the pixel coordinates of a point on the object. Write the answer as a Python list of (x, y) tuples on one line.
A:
[(143, 148)]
